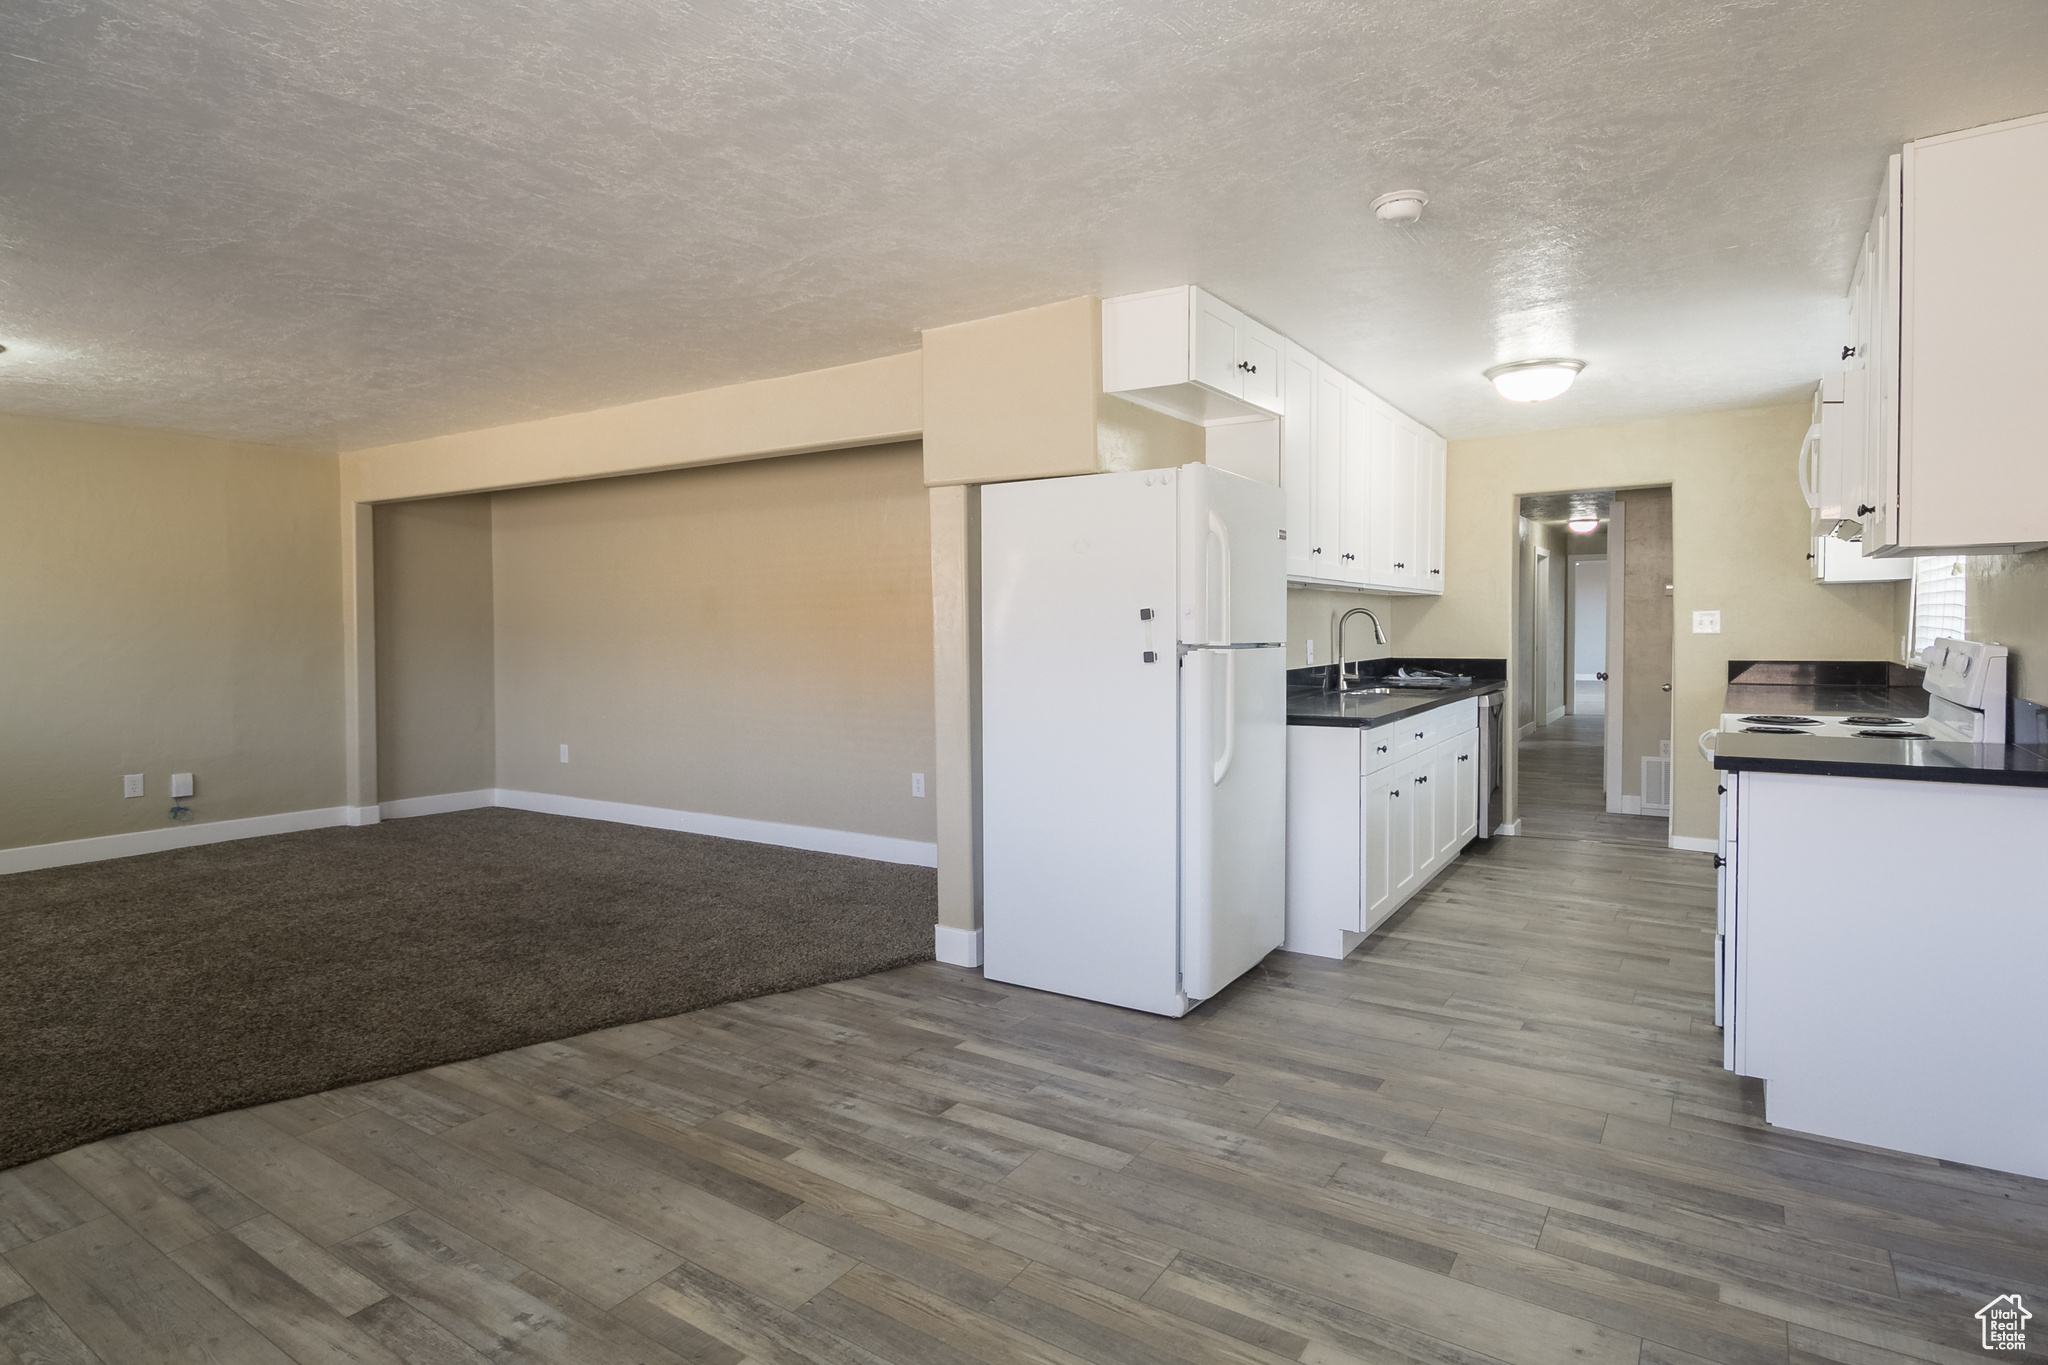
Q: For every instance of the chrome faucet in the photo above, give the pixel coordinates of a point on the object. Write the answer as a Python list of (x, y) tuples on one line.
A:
[(1379, 637)]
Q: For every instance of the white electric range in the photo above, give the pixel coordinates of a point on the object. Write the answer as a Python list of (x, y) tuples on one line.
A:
[(1966, 692)]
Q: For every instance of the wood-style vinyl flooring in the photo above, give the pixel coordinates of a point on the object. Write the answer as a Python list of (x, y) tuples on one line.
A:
[(1499, 1132)]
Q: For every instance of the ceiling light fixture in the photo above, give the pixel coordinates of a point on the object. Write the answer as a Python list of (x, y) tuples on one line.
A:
[(1582, 526), (1532, 381), (1401, 206)]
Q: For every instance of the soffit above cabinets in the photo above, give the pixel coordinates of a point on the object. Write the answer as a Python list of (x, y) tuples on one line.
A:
[(350, 224)]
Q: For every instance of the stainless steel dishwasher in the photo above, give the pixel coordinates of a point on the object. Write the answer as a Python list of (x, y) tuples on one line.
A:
[(1490, 715)]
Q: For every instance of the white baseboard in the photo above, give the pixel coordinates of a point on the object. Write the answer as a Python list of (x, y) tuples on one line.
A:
[(1509, 830), (880, 847), (1631, 805), (957, 947), (1554, 717), (409, 806), (1691, 844), (1526, 730), (169, 837), (1653, 809)]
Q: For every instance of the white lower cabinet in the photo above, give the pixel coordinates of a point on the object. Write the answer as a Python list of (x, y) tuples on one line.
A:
[(1372, 816)]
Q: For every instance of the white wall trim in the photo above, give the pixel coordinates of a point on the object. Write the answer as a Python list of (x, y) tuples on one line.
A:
[(1526, 730), (409, 806), (1631, 805), (35, 856), (880, 847), (1509, 830), (957, 947), (1691, 844), (1554, 717)]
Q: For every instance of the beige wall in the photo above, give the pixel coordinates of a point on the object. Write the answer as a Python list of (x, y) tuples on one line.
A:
[(2008, 603), (752, 640), (1013, 396), (167, 603), (1312, 614), (436, 730), (1647, 631), (1131, 437), (1739, 544)]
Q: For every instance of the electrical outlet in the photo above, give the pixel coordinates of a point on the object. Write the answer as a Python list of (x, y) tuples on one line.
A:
[(1706, 623), (1311, 652), (917, 784), (131, 785), (181, 784), (565, 753)]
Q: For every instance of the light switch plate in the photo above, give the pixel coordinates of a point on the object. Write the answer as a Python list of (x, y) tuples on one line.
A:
[(1706, 623), (181, 784)]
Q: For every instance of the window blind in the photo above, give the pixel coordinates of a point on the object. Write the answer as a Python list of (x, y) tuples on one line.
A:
[(1938, 600)]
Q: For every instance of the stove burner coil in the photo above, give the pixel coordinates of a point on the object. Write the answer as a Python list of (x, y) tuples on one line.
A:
[(1875, 720), (1773, 730), (1780, 720), (1891, 734)]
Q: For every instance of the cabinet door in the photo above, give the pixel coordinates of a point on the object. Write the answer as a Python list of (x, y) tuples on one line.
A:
[(1329, 436), (1382, 802), (1466, 763), (1354, 524), (1217, 344), (1394, 515), (1259, 357), (1435, 451), (1443, 800), (1298, 463), (1412, 864), (1881, 443)]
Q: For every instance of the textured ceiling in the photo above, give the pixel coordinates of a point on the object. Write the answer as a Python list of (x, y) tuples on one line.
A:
[(350, 222)]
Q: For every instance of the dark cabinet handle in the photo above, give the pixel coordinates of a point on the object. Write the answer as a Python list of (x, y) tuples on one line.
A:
[(1383, 748), (1347, 556), (1418, 734), (1667, 687), (1463, 757), (1400, 565), (1420, 780), (1848, 352), (1151, 657), (1719, 861), (1318, 550), (1865, 510), (1436, 570), (1809, 556), (1394, 792), (1247, 367)]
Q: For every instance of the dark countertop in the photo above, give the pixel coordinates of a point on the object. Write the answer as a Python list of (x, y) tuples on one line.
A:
[(1313, 706), (1915, 760)]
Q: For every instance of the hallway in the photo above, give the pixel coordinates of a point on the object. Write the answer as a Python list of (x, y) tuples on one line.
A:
[(1561, 796)]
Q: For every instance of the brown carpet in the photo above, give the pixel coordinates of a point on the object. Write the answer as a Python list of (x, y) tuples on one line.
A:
[(146, 990)]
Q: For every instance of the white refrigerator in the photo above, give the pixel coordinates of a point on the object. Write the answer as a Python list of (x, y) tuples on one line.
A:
[(1134, 733)]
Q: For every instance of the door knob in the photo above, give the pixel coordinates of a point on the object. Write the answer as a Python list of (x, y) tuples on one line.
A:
[(1601, 676), (1667, 687)]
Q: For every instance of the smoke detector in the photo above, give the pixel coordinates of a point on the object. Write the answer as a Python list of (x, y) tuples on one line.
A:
[(1399, 206)]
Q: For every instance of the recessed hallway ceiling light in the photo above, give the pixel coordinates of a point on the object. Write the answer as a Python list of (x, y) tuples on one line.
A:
[(1584, 527), (1400, 206), (1532, 381)]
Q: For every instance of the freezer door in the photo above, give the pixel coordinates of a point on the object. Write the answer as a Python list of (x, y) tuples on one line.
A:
[(1233, 561), (1080, 737)]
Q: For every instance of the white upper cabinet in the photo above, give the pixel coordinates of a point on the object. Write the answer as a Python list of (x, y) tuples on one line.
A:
[(1188, 354), (1364, 483), (1945, 315)]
